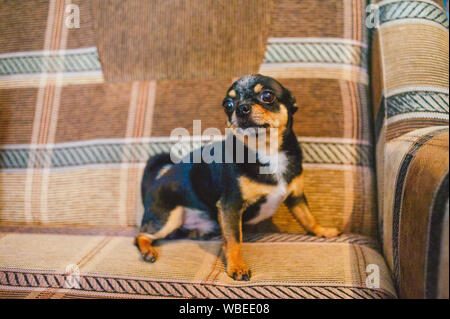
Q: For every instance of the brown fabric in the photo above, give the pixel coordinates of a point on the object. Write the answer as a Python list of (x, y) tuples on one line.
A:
[(178, 103), (84, 36), (292, 18), (22, 25), (17, 108), (106, 105), (309, 18), (206, 38), (329, 108)]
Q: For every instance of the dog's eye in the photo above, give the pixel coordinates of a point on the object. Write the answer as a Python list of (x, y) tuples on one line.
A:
[(267, 97), (228, 105)]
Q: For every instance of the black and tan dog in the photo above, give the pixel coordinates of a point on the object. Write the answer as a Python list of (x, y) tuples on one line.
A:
[(206, 197)]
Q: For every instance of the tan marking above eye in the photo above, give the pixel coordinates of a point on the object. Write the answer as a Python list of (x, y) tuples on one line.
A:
[(232, 93), (258, 87)]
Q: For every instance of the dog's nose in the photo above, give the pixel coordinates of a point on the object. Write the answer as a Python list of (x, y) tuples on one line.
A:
[(243, 109)]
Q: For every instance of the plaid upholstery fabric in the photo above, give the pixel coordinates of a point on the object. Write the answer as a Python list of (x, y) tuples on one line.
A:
[(74, 145), (411, 105), (76, 135)]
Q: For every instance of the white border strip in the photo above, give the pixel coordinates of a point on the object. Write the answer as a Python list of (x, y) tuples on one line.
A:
[(316, 40), (423, 88), (417, 115), (167, 139), (411, 21), (385, 2), (52, 75), (46, 53), (306, 65)]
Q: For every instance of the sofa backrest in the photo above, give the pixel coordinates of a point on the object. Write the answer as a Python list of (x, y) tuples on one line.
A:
[(81, 109)]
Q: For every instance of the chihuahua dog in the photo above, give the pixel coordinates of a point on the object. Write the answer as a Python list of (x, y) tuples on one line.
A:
[(204, 198)]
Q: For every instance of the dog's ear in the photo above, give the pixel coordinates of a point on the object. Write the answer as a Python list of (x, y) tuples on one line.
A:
[(290, 101)]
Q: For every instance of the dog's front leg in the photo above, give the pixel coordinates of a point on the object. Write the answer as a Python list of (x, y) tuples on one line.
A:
[(231, 224), (299, 208)]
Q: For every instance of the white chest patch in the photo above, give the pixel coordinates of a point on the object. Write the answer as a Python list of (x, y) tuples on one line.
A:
[(273, 201), (277, 166), (197, 220)]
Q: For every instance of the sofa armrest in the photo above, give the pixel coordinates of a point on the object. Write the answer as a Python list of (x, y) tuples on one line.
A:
[(410, 98), (414, 221)]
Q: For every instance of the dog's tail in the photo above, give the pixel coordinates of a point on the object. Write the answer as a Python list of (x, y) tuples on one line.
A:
[(153, 168)]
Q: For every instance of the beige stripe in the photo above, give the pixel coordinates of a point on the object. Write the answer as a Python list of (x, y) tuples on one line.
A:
[(39, 81), (415, 55), (136, 125), (124, 167), (348, 133), (60, 43), (149, 109), (38, 117), (443, 283), (50, 23), (134, 206), (45, 121), (337, 72), (348, 25), (133, 194), (359, 14), (141, 108)]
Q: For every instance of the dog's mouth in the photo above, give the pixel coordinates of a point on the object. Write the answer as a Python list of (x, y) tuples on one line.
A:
[(245, 123)]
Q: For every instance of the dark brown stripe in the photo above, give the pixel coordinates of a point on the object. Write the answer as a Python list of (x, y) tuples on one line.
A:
[(434, 249)]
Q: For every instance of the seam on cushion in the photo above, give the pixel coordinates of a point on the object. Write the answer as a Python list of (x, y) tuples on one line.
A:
[(364, 262), (214, 268), (95, 250), (357, 264)]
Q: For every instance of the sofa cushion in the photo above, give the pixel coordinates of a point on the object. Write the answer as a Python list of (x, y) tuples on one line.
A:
[(283, 266)]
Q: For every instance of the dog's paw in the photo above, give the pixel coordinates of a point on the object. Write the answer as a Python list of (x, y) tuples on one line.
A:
[(148, 252), (150, 256), (327, 232), (239, 272)]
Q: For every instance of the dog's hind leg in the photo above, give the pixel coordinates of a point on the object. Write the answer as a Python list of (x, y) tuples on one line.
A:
[(144, 240)]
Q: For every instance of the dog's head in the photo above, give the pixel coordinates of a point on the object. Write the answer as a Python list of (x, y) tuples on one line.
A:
[(257, 101)]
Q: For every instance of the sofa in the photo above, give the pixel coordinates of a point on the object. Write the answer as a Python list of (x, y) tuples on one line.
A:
[(89, 90)]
